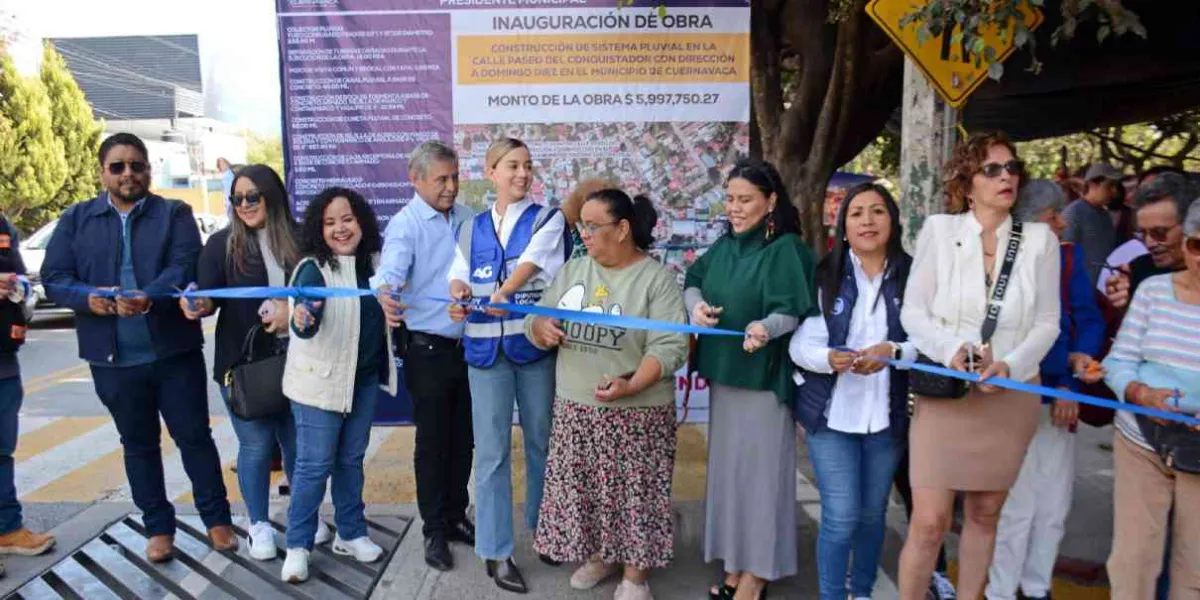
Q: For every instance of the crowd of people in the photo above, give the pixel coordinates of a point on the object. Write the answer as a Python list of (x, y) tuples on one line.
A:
[(1014, 281)]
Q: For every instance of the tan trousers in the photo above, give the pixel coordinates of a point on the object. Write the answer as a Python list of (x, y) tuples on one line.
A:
[(1143, 492)]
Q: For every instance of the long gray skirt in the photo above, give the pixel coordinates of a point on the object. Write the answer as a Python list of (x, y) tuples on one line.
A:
[(750, 508)]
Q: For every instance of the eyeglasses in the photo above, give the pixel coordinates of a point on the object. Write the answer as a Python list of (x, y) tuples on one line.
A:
[(136, 166), (992, 170), (590, 229), (1192, 245), (250, 199), (1158, 234)]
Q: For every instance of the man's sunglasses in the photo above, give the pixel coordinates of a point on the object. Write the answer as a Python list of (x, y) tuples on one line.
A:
[(136, 166), (250, 199), (1158, 234), (992, 170), (1192, 245)]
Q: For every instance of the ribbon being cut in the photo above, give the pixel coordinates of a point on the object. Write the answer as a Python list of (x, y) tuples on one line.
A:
[(638, 323)]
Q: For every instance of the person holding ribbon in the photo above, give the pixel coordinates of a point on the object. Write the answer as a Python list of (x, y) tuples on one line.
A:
[(982, 296), (756, 278), (147, 359), (1034, 515), (1155, 363), (339, 357), (852, 403), (612, 450), (258, 248), (513, 250)]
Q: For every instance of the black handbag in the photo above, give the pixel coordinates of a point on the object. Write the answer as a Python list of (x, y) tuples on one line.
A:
[(1177, 445), (255, 380), (931, 385)]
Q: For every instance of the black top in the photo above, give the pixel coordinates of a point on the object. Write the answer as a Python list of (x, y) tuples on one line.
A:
[(1141, 269), (236, 317)]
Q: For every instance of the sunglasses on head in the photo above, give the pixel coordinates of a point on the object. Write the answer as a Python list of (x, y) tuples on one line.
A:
[(992, 170), (1192, 245), (250, 199), (1158, 234), (136, 166)]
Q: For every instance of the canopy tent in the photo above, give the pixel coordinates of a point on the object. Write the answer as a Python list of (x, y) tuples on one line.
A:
[(1086, 84)]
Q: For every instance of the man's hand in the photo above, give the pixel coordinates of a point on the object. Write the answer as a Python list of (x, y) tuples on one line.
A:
[(459, 290), (1065, 413), (132, 303), (704, 315), (873, 359), (757, 337), (102, 306), (1116, 288), (547, 332), (393, 308), (8, 282)]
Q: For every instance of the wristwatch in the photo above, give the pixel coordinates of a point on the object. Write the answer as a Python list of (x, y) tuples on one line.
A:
[(896, 351)]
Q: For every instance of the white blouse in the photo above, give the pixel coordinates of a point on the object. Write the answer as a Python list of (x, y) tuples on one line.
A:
[(946, 298), (545, 249)]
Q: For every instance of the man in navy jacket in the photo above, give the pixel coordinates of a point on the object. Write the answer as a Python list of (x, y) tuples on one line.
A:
[(146, 357)]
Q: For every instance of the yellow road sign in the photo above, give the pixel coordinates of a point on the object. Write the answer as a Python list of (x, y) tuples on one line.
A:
[(947, 66)]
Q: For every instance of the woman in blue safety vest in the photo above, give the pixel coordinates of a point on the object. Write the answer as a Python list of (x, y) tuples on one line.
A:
[(509, 253)]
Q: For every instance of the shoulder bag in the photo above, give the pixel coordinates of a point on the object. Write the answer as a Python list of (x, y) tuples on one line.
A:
[(931, 385), (255, 380)]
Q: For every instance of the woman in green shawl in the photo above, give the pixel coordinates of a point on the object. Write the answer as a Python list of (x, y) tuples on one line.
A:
[(757, 278)]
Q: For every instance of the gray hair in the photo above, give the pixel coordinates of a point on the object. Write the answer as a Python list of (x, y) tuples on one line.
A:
[(1038, 195), (1191, 225), (428, 153), (1167, 186)]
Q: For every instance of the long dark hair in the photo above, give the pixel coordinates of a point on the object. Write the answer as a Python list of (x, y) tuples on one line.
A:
[(764, 176), (313, 230), (279, 226), (829, 271), (639, 211)]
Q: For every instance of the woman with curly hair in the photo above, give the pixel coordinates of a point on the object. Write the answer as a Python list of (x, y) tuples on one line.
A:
[(963, 310), (339, 357)]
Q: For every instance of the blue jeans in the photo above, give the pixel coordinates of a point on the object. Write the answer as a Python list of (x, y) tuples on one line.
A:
[(256, 445), (854, 476), (331, 443), (493, 391), (11, 395)]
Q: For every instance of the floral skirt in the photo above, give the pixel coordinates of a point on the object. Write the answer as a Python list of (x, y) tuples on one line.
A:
[(608, 486)]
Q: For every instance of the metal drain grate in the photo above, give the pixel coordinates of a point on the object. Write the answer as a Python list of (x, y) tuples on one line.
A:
[(113, 566)]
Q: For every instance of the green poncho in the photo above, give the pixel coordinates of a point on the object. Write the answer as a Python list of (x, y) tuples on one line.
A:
[(751, 278)]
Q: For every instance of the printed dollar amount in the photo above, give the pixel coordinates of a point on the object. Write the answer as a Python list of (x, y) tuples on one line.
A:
[(670, 99)]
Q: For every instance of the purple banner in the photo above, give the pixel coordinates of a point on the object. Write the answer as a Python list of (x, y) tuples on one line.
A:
[(361, 91)]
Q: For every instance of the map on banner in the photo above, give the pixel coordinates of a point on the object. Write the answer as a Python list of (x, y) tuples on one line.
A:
[(654, 96)]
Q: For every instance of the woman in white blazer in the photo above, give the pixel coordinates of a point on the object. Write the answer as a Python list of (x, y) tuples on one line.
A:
[(975, 444)]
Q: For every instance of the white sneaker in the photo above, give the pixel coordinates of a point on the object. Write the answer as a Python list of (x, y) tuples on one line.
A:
[(262, 541), (295, 566), (629, 590), (324, 533), (591, 574), (362, 549)]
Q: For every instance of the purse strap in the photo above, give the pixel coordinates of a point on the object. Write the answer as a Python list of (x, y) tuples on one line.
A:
[(248, 343), (993, 309)]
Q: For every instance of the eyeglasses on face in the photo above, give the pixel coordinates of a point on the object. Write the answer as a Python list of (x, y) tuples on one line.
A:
[(136, 166), (1192, 245), (590, 229), (992, 170), (250, 199), (1158, 234)]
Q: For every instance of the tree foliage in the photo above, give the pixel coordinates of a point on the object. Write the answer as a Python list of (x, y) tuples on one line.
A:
[(75, 125), (1173, 141), (32, 162), (264, 150)]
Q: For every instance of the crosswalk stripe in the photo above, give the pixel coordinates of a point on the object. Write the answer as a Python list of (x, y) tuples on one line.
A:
[(48, 468), (53, 434), (102, 479), (26, 424)]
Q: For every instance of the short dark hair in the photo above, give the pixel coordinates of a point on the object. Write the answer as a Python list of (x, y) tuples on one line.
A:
[(122, 139), (312, 228), (1158, 170), (1167, 186)]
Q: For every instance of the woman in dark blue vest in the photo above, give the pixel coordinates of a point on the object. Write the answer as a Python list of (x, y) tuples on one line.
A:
[(852, 405)]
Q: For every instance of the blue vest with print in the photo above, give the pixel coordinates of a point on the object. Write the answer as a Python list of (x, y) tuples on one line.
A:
[(491, 263), (814, 395)]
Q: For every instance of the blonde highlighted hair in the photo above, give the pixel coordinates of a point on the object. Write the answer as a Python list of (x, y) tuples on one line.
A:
[(967, 161), (501, 147)]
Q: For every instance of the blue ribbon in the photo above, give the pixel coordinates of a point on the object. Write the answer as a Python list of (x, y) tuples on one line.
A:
[(580, 316)]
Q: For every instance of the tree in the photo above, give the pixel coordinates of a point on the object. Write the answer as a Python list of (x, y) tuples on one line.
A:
[(265, 151), (74, 124), (32, 165)]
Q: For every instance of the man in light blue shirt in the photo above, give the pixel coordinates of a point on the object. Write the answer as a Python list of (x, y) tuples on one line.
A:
[(418, 248)]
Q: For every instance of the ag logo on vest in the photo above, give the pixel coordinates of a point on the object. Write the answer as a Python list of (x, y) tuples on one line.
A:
[(484, 272)]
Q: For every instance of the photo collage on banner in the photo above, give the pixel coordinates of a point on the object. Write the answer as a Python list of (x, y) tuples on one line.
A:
[(653, 95)]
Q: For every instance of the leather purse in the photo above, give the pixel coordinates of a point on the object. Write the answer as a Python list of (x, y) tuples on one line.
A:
[(931, 385), (1177, 445), (255, 380)]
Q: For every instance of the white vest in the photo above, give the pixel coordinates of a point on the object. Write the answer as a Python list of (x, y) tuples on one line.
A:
[(320, 370)]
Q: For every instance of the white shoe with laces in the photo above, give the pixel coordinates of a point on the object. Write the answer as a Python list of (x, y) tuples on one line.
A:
[(324, 533), (362, 549), (262, 541), (295, 566)]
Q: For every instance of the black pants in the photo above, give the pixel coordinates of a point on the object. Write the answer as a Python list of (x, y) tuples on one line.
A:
[(900, 479), (176, 388), (436, 378)]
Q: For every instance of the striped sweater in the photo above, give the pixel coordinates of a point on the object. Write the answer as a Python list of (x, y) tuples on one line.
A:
[(1157, 345)]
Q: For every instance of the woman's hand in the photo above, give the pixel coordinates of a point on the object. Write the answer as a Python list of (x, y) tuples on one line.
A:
[(497, 298), (547, 332), (757, 337), (613, 389), (873, 359), (704, 315), (841, 361), (1065, 413), (995, 369), (302, 317), (195, 308), (960, 362), (1086, 368), (274, 315), (1156, 398)]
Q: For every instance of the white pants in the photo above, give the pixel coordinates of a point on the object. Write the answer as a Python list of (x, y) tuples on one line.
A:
[(1033, 518)]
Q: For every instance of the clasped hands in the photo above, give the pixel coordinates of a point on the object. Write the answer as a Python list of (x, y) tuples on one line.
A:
[(868, 361)]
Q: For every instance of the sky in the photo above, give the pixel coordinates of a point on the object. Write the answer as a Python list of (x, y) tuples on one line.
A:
[(239, 53)]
